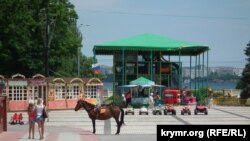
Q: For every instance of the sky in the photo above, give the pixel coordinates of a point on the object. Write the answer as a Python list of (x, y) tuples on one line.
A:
[(223, 25)]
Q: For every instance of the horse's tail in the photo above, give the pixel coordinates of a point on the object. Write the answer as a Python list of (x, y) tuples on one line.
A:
[(122, 117)]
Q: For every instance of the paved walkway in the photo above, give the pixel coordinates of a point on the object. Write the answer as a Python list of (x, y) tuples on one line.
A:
[(51, 136), (76, 126)]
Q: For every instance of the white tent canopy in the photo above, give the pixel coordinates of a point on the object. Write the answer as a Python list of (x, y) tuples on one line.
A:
[(142, 81)]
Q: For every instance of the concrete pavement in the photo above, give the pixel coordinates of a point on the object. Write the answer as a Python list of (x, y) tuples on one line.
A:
[(63, 136), (70, 125), (20, 133)]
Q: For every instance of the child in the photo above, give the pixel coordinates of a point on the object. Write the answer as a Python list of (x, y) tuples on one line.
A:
[(14, 119), (32, 118)]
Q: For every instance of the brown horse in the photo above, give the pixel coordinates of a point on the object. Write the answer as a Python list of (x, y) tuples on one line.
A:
[(105, 113)]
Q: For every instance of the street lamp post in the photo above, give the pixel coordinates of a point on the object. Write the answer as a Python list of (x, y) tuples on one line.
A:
[(3, 104), (78, 60), (78, 51), (47, 41)]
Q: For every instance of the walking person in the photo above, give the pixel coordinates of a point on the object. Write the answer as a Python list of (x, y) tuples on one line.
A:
[(32, 119), (40, 119)]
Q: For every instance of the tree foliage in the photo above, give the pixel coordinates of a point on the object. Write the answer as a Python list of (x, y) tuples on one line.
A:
[(22, 38), (244, 82)]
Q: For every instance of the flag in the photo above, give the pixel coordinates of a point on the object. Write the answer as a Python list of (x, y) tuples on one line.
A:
[(96, 68)]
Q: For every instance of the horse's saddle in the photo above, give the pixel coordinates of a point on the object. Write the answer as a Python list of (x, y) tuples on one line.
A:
[(102, 110)]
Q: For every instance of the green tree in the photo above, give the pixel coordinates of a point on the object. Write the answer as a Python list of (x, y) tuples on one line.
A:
[(19, 49), (22, 36), (244, 82)]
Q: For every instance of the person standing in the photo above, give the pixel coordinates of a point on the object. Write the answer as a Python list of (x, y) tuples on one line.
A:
[(124, 100), (210, 97), (151, 101), (128, 98), (40, 108), (156, 98), (32, 119)]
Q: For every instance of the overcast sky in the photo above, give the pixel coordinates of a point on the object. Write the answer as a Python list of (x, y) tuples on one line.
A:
[(223, 25)]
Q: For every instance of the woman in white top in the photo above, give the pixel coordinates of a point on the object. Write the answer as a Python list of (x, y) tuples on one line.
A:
[(39, 117)]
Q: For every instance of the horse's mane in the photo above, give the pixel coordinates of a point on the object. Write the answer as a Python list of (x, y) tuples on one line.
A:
[(88, 103), (93, 105)]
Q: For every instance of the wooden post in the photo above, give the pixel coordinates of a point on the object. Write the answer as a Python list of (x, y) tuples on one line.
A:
[(3, 114)]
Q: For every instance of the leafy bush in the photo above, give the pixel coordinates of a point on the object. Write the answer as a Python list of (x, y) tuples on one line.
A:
[(201, 94), (116, 100)]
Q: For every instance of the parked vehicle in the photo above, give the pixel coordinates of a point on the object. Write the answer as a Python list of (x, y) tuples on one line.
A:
[(172, 96), (169, 109), (200, 108), (157, 110), (143, 110), (130, 110), (185, 110)]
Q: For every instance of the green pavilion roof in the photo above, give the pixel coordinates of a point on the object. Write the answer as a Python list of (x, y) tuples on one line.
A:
[(150, 42), (142, 81)]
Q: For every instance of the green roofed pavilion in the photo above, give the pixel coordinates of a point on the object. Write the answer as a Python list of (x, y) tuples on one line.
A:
[(156, 58), (151, 42)]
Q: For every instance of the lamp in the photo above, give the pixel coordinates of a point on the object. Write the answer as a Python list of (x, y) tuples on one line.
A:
[(79, 50), (118, 69)]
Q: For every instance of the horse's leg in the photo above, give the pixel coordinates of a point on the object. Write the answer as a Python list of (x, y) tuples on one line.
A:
[(116, 115), (118, 125), (93, 123), (122, 117)]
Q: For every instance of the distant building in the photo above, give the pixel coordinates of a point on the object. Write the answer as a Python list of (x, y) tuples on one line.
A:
[(218, 70), (227, 70), (199, 71), (106, 69), (57, 93), (238, 71)]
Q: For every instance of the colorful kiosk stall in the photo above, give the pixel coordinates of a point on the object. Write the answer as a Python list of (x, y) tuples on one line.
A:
[(57, 93)]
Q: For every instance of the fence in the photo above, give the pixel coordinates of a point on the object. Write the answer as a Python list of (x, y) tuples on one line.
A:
[(229, 101)]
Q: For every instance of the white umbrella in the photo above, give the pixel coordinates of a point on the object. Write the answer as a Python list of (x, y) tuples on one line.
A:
[(128, 86)]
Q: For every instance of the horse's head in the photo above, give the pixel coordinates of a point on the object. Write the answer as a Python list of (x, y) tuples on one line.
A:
[(79, 104), (82, 103)]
